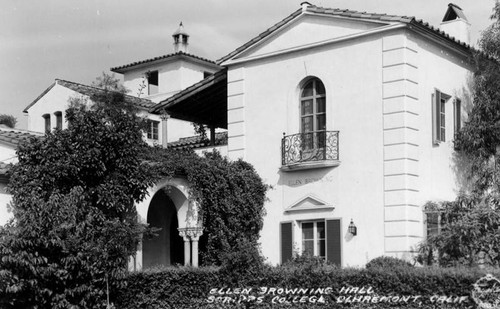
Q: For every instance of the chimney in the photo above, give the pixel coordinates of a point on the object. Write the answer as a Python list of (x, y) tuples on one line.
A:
[(455, 24), (180, 40)]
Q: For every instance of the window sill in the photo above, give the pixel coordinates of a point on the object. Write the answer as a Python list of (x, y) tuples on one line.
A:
[(309, 165)]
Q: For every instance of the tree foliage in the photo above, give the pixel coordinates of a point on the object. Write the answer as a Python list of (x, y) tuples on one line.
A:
[(469, 233), (8, 120), (75, 223)]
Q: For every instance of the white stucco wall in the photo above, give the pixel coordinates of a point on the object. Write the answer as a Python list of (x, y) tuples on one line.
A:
[(173, 76), (55, 100), (352, 78), (449, 72)]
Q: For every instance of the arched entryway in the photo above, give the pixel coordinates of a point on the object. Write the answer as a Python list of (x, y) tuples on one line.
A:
[(168, 247), (168, 206)]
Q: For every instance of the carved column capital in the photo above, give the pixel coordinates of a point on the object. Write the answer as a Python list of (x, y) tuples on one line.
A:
[(194, 233), (164, 116), (183, 232)]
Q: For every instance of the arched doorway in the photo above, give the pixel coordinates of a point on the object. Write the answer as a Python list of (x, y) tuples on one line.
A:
[(167, 248)]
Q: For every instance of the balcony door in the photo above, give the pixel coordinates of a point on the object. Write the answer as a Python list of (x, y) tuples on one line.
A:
[(313, 115)]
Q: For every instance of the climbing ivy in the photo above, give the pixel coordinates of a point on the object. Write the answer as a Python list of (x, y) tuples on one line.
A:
[(231, 196)]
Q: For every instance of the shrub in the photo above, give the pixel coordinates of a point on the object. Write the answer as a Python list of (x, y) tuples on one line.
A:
[(244, 263), (209, 287), (387, 262)]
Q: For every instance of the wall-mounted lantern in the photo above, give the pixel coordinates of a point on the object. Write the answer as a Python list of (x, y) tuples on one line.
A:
[(352, 229)]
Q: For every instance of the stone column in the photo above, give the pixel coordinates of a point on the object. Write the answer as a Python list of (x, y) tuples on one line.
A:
[(187, 246), (212, 135), (194, 234), (164, 129), (135, 262)]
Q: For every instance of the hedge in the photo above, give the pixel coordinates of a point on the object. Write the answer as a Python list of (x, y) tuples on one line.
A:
[(395, 288)]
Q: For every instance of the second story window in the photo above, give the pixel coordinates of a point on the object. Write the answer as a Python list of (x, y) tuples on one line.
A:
[(46, 118), (58, 120), (153, 82), (439, 116), (152, 132), (313, 114)]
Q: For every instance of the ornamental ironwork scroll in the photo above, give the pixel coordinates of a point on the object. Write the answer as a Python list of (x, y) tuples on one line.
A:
[(308, 147)]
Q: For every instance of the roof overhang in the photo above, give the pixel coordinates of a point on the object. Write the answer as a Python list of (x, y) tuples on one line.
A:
[(205, 102), (166, 59)]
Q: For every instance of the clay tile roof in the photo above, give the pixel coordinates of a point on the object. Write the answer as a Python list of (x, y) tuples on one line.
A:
[(194, 142), (89, 91), (350, 14), (15, 137), (123, 68)]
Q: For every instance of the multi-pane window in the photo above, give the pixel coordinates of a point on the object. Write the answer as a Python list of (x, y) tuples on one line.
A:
[(432, 223), (58, 120), (321, 238), (313, 238), (152, 130), (442, 120), (313, 114), (46, 118), (439, 116), (153, 82)]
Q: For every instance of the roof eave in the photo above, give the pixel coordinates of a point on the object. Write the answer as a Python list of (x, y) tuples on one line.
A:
[(145, 63), (441, 38), (39, 97)]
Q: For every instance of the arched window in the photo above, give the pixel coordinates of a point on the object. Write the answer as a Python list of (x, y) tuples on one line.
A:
[(313, 114)]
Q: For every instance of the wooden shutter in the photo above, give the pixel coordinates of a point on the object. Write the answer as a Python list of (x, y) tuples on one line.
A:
[(436, 116), (286, 241), (333, 242), (458, 115)]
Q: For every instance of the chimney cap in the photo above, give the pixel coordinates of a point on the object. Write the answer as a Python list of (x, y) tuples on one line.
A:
[(180, 30), (454, 12)]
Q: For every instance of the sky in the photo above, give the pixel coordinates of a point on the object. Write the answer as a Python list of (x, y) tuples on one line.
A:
[(77, 40)]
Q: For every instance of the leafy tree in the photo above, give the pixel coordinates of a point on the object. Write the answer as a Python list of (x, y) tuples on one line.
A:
[(75, 223), (470, 224), (8, 120)]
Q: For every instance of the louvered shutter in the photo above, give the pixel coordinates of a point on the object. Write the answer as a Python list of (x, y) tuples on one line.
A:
[(436, 116), (458, 115), (286, 241), (333, 242)]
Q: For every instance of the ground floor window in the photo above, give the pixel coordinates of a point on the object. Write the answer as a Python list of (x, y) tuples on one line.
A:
[(313, 238), (153, 129), (321, 237)]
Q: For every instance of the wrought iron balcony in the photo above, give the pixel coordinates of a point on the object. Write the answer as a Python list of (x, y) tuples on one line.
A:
[(304, 149)]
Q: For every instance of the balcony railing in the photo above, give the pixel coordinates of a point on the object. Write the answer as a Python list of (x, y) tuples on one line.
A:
[(310, 147)]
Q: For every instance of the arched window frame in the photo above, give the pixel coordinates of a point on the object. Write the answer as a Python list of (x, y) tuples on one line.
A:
[(313, 114)]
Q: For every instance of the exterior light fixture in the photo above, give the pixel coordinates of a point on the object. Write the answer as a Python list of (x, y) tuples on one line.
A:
[(352, 229)]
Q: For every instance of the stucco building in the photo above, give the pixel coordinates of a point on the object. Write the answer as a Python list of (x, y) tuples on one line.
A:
[(349, 116)]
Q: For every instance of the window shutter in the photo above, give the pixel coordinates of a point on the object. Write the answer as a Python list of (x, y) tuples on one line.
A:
[(286, 241), (436, 117), (333, 245), (458, 115)]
